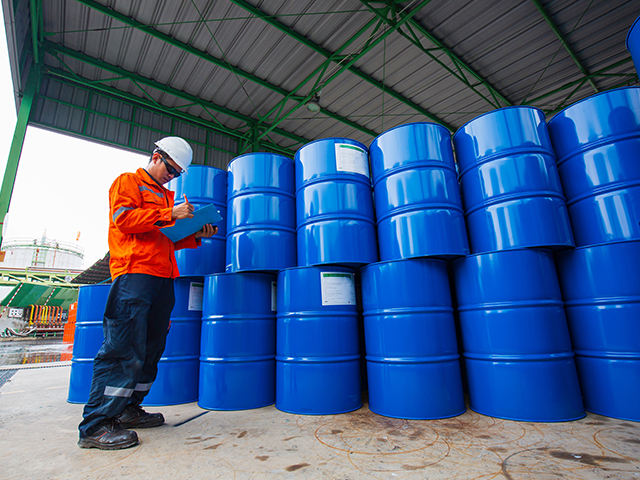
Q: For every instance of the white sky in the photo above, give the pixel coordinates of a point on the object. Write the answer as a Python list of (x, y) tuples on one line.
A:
[(62, 184)]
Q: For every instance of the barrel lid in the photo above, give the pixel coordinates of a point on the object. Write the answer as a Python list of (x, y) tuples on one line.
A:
[(591, 97), (561, 253), (409, 124), (524, 107), (626, 40), (336, 140), (534, 251), (259, 153), (398, 260)]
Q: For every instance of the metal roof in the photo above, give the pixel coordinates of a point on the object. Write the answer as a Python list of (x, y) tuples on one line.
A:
[(234, 75)]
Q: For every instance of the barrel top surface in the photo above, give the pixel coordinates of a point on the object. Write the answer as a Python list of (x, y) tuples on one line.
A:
[(591, 98), (534, 251), (598, 245), (335, 268), (404, 125), (244, 273), (334, 140), (259, 154), (494, 112), (633, 25), (399, 260), (197, 167)]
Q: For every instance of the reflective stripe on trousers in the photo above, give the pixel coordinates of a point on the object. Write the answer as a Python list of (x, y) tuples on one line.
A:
[(135, 325)]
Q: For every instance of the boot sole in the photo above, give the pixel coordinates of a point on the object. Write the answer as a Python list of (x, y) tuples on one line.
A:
[(133, 426), (90, 443)]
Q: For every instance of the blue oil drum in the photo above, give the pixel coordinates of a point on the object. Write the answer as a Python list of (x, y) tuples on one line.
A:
[(334, 204), (88, 338), (510, 185), (597, 143), (515, 338), (317, 350), (177, 379), (413, 364), (238, 348), (203, 185), (417, 196), (261, 233), (601, 289), (632, 43)]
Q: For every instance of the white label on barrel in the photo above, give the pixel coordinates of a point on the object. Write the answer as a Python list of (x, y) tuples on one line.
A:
[(195, 295), (350, 158), (274, 296), (337, 288)]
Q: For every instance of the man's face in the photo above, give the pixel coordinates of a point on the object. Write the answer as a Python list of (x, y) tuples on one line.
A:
[(163, 168)]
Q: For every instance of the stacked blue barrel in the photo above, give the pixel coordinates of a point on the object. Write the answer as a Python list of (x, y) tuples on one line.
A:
[(597, 142), (412, 355), (202, 186), (261, 234), (237, 356), (514, 331), (318, 355), (88, 338), (177, 378), (178, 368), (237, 351), (317, 351)]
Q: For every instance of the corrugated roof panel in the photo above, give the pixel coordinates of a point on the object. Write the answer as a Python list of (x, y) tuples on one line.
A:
[(507, 43)]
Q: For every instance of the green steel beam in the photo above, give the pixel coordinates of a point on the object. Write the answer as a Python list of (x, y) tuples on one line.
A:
[(460, 65), (564, 42), (206, 57), (136, 101), (16, 276), (54, 48), (35, 7), (353, 59), (16, 144), (332, 56), (600, 73)]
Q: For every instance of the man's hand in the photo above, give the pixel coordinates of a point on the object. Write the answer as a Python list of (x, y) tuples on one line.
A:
[(184, 210), (208, 230)]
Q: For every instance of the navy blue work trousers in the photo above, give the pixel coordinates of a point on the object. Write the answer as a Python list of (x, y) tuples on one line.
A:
[(135, 324)]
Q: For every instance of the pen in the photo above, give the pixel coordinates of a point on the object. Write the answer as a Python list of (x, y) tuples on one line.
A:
[(185, 197)]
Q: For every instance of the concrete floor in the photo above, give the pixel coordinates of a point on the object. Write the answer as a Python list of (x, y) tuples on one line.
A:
[(38, 441)]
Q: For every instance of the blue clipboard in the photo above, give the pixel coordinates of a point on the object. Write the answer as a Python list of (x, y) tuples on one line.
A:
[(187, 226)]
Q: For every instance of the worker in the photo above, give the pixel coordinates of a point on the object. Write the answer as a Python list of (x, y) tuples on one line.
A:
[(141, 297)]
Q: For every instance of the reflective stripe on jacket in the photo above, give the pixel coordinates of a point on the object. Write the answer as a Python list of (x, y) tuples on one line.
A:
[(139, 207)]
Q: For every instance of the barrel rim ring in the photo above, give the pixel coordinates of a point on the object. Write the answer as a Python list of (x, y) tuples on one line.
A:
[(257, 153), (626, 40), (613, 90), (533, 250), (327, 139), (492, 112), (411, 124)]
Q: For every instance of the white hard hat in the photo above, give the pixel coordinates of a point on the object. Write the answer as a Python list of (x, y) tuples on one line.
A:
[(178, 149)]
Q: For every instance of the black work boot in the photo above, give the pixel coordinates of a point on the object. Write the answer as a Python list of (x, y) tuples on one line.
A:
[(135, 417), (110, 436)]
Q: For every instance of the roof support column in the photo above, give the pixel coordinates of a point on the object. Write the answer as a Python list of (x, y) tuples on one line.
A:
[(11, 170)]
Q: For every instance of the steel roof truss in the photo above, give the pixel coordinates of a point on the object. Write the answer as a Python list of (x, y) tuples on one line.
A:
[(565, 43), (460, 66), (143, 102), (52, 48), (353, 59), (205, 56), (338, 57)]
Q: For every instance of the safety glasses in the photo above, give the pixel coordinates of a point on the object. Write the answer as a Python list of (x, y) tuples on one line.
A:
[(170, 169)]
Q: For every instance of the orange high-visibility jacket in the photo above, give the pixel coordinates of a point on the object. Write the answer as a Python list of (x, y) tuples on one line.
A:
[(139, 207)]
